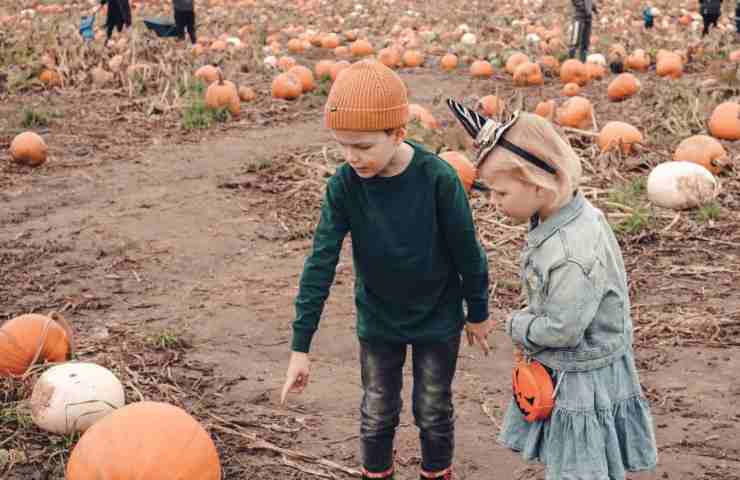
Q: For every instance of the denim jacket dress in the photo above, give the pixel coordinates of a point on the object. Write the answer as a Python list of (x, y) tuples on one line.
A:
[(578, 312)]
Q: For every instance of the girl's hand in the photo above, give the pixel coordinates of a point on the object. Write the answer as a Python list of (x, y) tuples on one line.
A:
[(518, 354), (478, 333), (297, 376)]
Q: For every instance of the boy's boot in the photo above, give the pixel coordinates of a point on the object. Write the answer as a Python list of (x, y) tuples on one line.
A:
[(445, 474), (386, 475)]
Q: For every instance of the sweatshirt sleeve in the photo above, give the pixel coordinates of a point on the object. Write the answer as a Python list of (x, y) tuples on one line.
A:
[(456, 220), (319, 267), (568, 310)]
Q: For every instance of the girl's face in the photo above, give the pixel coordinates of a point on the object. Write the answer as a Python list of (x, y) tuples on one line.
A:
[(370, 154), (514, 198)]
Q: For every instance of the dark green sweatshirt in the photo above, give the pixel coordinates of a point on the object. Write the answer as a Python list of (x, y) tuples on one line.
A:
[(415, 252)]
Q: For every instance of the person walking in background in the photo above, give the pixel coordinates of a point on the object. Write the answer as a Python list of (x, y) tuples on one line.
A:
[(119, 16), (710, 11), (184, 18), (580, 38)]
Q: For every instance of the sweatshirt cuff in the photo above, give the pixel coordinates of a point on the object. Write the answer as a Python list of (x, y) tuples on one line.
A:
[(301, 341), (517, 326), (477, 311)]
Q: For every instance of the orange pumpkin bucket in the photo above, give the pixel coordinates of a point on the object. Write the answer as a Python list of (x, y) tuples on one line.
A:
[(533, 390)]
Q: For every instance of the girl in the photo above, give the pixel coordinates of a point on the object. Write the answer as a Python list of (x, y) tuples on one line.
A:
[(577, 322)]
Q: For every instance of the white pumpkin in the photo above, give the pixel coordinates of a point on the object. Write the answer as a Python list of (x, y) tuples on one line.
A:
[(596, 58), (469, 39), (72, 396), (533, 39), (681, 185)]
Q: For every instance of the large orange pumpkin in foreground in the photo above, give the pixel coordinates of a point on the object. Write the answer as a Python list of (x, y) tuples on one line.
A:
[(465, 169), (22, 337), (145, 440)]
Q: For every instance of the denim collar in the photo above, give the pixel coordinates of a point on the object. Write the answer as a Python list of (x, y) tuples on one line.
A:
[(541, 231)]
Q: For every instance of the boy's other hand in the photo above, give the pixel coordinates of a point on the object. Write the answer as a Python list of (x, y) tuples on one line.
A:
[(297, 376), (478, 333)]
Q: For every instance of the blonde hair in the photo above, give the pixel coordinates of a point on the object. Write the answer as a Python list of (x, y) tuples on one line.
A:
[(537, 136)]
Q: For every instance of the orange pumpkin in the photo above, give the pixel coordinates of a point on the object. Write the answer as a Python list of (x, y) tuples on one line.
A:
[(413, 58), (337, 68), (50, 78), (669, 64), (295, 45), (618, 134), (574, 71), (528, 74), (219, 45), (361, 48), (735, 56), (286, 86), (725, 121), (623, 86), (481, 69), (424, 116), (30, 338), (546, 109), (223, 94), (28, 148), (330, 41), (207, 73), (389, 57), (704, 150), (246, 94), (533, 390), (145, 440), (571, 89), (286, 63), (305, 75), (449, 62), (576, 112), (491, 105), (323, 69), (638, 61), (514, 61), (551, 64), (465, 169), (595, 71)]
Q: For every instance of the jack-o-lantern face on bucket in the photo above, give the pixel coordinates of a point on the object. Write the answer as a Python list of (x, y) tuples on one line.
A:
[(533, 390)]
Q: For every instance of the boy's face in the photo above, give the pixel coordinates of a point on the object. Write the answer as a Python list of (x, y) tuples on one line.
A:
[(369, 153)]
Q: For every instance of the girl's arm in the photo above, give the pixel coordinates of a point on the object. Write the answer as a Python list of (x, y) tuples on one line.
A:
[(320, 266), (573, 298)]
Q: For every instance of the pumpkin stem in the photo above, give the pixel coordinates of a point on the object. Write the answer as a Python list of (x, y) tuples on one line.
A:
[(220, 77), (67, 327)]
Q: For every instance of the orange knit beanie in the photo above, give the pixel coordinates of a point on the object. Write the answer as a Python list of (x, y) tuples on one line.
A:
[(367, 96)]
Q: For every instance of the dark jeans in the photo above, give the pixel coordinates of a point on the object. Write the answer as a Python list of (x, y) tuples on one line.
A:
[(581, 36), (710, 19), (185, 19), (434, 368)]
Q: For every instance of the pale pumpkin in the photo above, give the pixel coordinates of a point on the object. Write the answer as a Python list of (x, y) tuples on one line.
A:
[(576, 112), (223, 94), (623, 86), (618, 135), (681, 185), (145, 440), (725, 121), (704, 150)]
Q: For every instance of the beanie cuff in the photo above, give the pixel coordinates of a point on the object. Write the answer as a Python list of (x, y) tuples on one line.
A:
[(366, 119)]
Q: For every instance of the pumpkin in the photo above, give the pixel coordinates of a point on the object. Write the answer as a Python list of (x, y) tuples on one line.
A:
[(623, 86), (595, 71), (465, 169), (361, 48), (449, 62), (620, 135), (337, 68), (427, 120), (286, 63), (207, 73), (351, 35), (305, 75), (514, 61), (550, 64), (71, 397), (546, 109), (223, 94), (571, 89), (576, 112), (50, 78), (528, 74), (323, 69), (617, 51), (574, 71), (596, 59), (669, 64), (724, 122), (413, 58), (481, 69), (28, 148), (287, 86), (295, 45), (389, 57), (735, 56), (681, 185), (491, 105), (704, 150), (330, 41), (638, 61), (342, 51), (30, 338), (469, 39), (145, 440), (247, 94), (533, 390), (219, 45)]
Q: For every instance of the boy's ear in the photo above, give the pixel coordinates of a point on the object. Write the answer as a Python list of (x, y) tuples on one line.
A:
[(400, 134)]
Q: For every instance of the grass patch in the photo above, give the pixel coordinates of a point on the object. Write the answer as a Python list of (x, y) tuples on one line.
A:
[(630, 198), (37, 118), (196, 114), (707, 213)]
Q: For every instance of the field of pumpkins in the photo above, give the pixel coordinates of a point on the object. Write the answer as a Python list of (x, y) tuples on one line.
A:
[(159, 198)]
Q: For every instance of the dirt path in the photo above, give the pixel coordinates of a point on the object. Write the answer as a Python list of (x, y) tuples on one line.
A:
[(160, 246)]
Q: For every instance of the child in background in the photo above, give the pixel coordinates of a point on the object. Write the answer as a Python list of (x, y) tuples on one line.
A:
[(710, 11), (184, 18), (577, 321), (416, 257), (648, 17)]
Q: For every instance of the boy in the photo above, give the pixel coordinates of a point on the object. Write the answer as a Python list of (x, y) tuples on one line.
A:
[(119, 17), (416, 257), (580, 38), (710, 11), (184, 18)]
